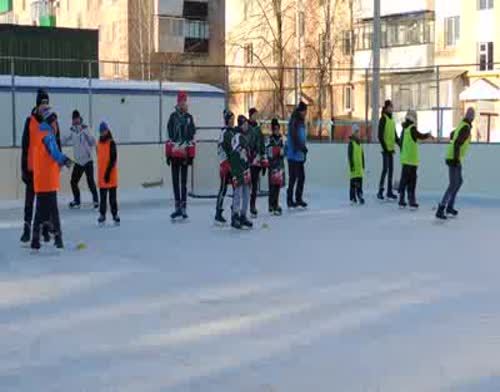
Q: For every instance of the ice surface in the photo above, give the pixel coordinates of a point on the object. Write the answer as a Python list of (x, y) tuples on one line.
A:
[(335, 298)]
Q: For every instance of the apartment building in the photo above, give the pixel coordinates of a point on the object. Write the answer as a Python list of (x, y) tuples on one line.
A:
[(278, 56), (467, 33), (135, 33)]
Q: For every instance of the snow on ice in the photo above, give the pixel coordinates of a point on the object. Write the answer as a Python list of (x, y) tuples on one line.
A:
[(334, 298)]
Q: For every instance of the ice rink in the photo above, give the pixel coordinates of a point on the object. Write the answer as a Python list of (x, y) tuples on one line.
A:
[(334, 298)]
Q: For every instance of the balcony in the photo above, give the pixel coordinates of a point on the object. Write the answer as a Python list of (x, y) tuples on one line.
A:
[(43, 13), (180, 35)]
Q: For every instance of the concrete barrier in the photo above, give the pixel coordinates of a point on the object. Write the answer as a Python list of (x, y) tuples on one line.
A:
[(326, 167)]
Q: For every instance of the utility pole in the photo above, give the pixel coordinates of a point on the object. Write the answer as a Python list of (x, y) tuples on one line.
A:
[(376, 67), (298, 9)]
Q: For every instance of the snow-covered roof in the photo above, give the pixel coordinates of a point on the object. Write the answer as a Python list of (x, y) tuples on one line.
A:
[(481, 90), (100, 84)]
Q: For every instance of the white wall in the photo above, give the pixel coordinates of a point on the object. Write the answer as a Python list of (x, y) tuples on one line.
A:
[(136, 119), (326, 166), (398, 57)]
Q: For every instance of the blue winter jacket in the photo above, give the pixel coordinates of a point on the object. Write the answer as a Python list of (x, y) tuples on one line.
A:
[(296, 140), (50, 142)]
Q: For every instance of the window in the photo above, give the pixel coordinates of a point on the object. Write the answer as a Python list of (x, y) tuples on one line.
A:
[(195, 10), (171, 26), (249, 102), (196, 29), (417, 29), (485, 56), (247, 8), (249, 53), (451, 30), (302, 24), (484, 4), (348, 104), (347, 42)]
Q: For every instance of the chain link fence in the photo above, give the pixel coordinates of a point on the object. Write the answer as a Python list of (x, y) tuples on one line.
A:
[(338, 98)]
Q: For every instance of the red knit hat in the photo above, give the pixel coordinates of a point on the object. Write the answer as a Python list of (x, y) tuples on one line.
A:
[(181, 97)]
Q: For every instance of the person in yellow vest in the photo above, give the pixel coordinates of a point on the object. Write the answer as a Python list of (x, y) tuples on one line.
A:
[(356, 158), (107, 166), (410, 159), (457, 150), (388, 139)]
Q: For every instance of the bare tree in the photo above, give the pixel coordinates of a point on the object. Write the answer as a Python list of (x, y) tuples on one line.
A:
[(323, 44), (267, 36)]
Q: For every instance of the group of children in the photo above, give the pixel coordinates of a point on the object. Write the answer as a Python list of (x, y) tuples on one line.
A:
[(408, 142), (244, 155), (41, 162)]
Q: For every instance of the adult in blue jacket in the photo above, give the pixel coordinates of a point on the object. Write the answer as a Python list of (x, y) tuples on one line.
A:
[(296, 155)]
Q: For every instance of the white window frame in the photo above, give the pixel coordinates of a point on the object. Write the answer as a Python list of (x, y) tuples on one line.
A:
[(451, 31), (485, 5), (483, 50), (348, 101)]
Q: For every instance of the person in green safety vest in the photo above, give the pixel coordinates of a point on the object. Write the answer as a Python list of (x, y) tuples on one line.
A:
[(388, 139), (410, 159), (455, 154), (356, 159)]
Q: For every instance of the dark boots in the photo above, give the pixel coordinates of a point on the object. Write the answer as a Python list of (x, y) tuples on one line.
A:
[(178, 211), (235, 221), (26, 236), (219, 218), (440, 213)]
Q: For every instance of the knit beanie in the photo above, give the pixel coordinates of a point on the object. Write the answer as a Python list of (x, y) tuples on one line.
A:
[(251, 112), (75, 115), (103, 127), (302, 107), (242, 120), (181, 97), (41, 95)]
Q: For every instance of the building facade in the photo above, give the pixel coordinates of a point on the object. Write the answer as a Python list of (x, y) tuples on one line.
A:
[(137, 35)]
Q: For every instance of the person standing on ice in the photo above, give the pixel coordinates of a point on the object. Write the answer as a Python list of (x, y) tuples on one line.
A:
[(107, 166), (297, 155), (241, 177), (455, 155), (83, 143), (257, 157), (31, 127), (47, 161), (224, 152), (180, 152), (388, 139), (356, 159), (410, 159), (275, 156)]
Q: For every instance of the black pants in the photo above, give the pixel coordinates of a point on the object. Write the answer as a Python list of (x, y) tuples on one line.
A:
[(78, 171), (113, 203), (456, 181), (274, 194), (297, 176), (408, 183), (255, 173), (47, 214), (224, 181), (387, 170), (29, 201), (179, 182), (356, 189)]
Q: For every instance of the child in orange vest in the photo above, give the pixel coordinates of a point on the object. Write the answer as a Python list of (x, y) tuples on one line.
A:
[(47, 161), (107, 158)]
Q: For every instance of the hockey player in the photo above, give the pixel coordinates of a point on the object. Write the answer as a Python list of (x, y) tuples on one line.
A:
[(455, 155), (224, 152), (356, 159), (388, 139), (297, 155), (240, 171), (410, 159), (180, 152), (31, 127), (83, 143), (275, 156), (107, 162), (257, 157), (47, 161)]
